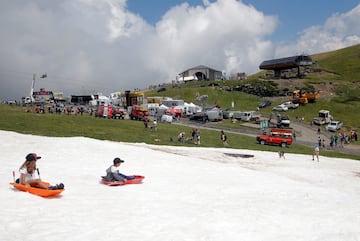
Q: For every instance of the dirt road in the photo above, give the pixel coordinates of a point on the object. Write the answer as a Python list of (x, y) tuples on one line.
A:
[(308, 135), (305, 135)]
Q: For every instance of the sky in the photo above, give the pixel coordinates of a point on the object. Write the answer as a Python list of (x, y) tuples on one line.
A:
[(88, 46), (193, 194)]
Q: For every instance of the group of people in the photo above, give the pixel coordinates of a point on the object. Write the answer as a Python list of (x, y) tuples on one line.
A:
[(146, 124), (337, 139), (343, 137), (315, 153), (195, 137), (30, 175)]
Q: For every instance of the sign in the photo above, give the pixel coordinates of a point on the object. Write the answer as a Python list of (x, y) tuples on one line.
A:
[(264, 124)]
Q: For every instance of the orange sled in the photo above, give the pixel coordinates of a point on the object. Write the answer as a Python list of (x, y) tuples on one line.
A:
[(37, 191)]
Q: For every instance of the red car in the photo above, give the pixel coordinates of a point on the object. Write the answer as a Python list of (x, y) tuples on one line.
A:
[(281, 137), (174, 112)]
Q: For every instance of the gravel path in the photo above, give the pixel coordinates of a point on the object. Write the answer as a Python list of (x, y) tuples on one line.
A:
[(308, 135), (305, 134)]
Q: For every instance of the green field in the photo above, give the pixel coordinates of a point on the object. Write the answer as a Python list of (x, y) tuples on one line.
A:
[(17, 119)]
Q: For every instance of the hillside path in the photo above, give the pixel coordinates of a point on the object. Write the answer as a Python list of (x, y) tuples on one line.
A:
[(305, 134)]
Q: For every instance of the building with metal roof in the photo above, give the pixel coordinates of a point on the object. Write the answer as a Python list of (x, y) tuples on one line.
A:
[(200, 72), (278, 65)]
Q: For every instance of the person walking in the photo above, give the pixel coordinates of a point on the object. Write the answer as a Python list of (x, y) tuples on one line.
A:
[(223, 138), (197, 137), (155, 125), (316, 153), (193, 135), (146, 121), (281, 154), (319, 141)]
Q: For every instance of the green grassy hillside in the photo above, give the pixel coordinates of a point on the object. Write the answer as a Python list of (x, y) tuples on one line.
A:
[(338, 69), (344, 62), (17, 119)]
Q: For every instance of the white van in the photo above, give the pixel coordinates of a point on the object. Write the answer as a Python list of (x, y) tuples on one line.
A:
[(249, 115), (214, 114)]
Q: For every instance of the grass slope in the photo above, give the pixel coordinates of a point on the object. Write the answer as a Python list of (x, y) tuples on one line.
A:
[(13, 118), (344, 62)]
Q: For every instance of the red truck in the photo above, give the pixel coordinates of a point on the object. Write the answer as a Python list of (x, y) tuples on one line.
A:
[(138, 113), (277, 136)]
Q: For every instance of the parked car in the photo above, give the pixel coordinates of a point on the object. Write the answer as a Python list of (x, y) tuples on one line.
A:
[(334, 126), (161, 89), (283, 121), (199, 116), (167, 118), (290, 105), (281, 137), (237, 115), (228, 113), (280, 108), (264, 104)]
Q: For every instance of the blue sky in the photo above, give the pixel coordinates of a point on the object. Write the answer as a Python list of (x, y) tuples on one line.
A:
[(294, 16), (107, 46)]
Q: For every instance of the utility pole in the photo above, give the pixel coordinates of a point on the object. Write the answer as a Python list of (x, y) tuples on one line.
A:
[(33, 86), (32, 89)]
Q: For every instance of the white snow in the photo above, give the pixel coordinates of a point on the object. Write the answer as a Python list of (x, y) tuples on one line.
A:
[(188, 194)]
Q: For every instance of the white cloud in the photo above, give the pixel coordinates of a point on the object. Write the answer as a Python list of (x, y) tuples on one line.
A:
[(339, 31), (91, 45), (88, 45), (220, 34)]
